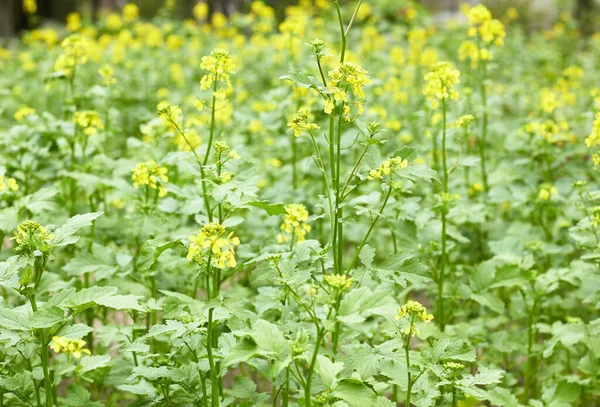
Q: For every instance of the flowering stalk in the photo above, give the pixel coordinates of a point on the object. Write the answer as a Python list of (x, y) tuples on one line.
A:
[(440, 301)]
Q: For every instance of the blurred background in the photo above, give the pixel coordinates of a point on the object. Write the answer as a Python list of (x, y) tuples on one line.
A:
[(534, 14)]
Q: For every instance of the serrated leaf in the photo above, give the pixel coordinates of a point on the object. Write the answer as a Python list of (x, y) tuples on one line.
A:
[(328, 370), (117, 301), (46, 318), (65, 235), (355, 393), (93, 362)]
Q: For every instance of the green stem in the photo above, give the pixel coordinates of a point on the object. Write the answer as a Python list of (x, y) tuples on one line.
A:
[(354, 261), (441, 275), (408, 373), (311, 369), (484, 126)]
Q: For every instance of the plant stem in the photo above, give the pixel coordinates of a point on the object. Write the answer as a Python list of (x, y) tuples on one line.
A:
[(484, 126), (441, 276), (408, 373), (373, 222), (208, 148), (311, 369)]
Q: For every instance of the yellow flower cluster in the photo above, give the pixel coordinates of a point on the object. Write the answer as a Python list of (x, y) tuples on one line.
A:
[(10, 184), (75, 52), (482, 25), (23, 112), (595, 221), (31, 236), (74, 21), (412, 311), (89, 121), (108, 75), (295, 221), (346, 77), (169, 114), (339, 281), (187, 140), (594, 138), (29, 6), (300, 123), (73, 347), (386, 168), (469, 50), (131, 12), (440, 82), (220, 65), (152, 175), (223, 152), (213, 242), (464, 121), (547, 192)]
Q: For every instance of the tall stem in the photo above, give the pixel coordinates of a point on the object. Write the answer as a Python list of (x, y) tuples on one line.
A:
[(311, 369), (408, 373), (484, 126), (354, 261), (208, 148), (441, 276)]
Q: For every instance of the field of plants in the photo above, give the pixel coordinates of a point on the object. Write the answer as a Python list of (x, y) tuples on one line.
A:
[(351, 207)]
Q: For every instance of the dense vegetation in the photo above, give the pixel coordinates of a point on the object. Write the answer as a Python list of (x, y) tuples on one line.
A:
[(353, 207)]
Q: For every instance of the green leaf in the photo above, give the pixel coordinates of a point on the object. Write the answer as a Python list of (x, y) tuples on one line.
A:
[(78, 396), (151, 251), (143, 388), (271, 209), (128, 301), (87, 297), (10, 319), (269, 338), (489, 300), (241, 352), (502, 397), (301, 79), (328, 370), (105, 296), (75, 331), (65, 235), (46, 318), (93, 362), (355, 393)]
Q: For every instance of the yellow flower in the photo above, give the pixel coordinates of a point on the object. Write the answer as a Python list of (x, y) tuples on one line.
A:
[(440, 82), (300, 123), (200, 11), (349, 76), (74, 21), (219, 65), (549, 101), (412, 311), (9, 184), (23, 112), (31, 236), (213, 242), (594, 137), (387, 167), (547, 191), (464, 121), (152, 175), (107, 74), (295, 221), (76, 51), (89, 121), (131, 12), (339, 281), (74, 347), (29, 6)]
